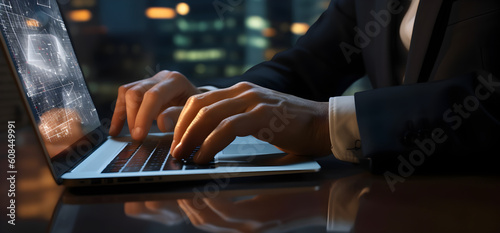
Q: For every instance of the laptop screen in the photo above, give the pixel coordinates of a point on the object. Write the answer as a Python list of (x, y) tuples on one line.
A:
[(40, 48)]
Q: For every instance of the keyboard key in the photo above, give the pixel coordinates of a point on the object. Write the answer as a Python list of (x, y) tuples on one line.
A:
[(190, 165), (189, 159), (172, 164), (121, 159), (137, 161), (151, 156), (158, 157)]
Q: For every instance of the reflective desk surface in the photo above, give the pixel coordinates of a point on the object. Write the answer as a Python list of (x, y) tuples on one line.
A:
[(340, 198)]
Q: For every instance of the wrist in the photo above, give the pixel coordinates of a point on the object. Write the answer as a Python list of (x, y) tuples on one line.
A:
[(322, 129)]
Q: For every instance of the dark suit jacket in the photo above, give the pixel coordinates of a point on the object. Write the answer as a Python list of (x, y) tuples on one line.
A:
[(434, 120)]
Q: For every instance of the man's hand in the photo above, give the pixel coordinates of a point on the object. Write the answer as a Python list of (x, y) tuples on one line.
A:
[(158, 98), (212, 120)]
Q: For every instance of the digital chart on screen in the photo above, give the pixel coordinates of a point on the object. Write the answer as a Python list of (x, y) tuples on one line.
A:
[(47, 66)]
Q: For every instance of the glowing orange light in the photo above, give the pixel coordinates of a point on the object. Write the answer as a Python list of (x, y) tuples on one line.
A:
[(32, 23), (80, 15), (160, 13), (299, 28), (269, 32), (182, 8)]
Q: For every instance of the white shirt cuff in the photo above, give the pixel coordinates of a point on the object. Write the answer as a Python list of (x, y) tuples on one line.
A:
[(344, 131)]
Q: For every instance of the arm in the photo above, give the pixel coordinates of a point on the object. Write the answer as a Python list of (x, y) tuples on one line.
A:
[(432, 125)]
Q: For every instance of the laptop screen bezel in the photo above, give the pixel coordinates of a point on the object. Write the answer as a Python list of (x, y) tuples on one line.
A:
[(78, 151)]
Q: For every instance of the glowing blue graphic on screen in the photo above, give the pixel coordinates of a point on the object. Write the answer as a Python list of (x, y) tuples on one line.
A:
[(46, 63)]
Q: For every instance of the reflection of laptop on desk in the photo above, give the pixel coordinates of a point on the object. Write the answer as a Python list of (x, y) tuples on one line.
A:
[(74, 140)]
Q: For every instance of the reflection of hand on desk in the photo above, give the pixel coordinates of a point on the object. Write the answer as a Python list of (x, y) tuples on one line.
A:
[(279, 212), (334, 204), (59, 129), (164, 212)]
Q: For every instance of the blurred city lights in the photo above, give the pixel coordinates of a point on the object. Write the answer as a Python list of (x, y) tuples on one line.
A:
[(80, 15), (160, 13), (256, 22), (182, 8), (269, 32), (199, 55), (258, 42), (299, 28)]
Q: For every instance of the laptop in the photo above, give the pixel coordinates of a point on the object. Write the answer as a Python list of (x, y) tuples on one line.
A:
[(74, 139)]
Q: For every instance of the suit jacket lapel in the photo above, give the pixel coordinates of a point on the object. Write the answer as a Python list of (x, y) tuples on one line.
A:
[(425, 20)]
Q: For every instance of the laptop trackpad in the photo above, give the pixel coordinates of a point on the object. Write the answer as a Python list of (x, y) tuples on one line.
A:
[(251, 149), (249, 154)]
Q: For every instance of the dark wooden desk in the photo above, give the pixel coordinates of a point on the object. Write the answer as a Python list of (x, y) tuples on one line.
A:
[(340, 197)]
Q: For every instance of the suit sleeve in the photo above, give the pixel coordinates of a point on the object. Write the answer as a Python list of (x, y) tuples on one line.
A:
[(449, 125), (315, 68)]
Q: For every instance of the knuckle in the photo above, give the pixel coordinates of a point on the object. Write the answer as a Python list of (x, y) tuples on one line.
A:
[(227, 125), (247, 84), (195, 100), (176, 74), (148, 82), (262, 108), (152, 95), (145, 85), (204, 111), (250, 85), (244, 85), (252, 95), (162, 74), (133, 95), (190, 100), (172, 75), (122, 90), (176, 77)]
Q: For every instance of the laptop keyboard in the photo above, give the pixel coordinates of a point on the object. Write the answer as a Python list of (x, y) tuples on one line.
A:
[(150, 156)]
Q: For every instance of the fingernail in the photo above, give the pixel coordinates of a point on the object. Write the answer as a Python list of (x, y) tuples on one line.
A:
[(177, 151), (137, 132)]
